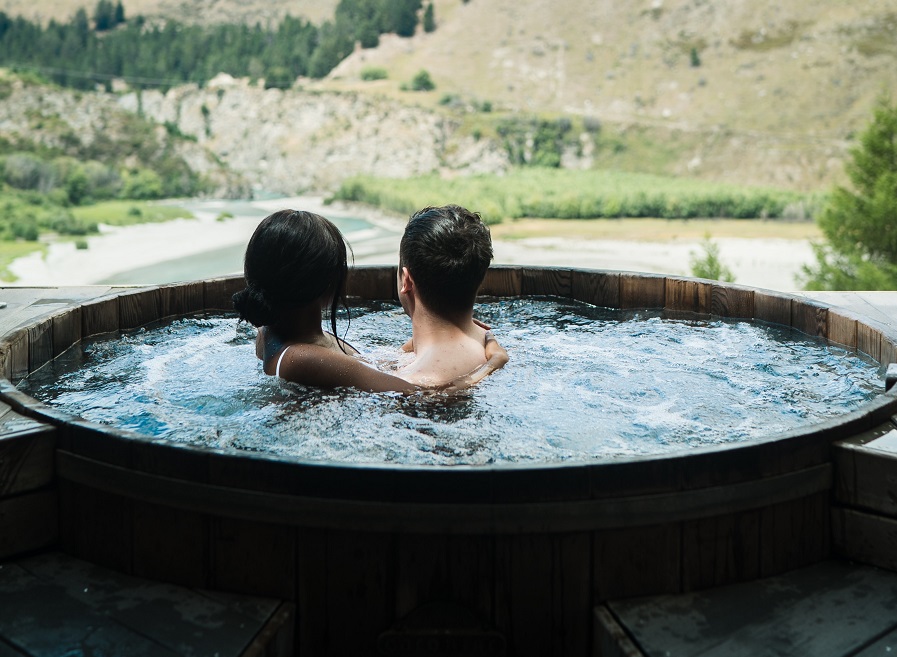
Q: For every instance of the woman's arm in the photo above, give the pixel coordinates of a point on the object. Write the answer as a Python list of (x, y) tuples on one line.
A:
[(313, 365)]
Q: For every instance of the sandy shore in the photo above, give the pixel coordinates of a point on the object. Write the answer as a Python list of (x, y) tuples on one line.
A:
[(767, 263)]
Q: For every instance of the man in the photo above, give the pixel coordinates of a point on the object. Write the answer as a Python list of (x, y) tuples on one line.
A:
[(443, 258)]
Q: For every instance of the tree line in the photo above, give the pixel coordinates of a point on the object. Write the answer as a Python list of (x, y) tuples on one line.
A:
[(85, 50)]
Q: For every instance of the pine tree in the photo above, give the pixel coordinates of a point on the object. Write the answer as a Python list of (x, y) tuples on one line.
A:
[(429, 19), (860, 224)]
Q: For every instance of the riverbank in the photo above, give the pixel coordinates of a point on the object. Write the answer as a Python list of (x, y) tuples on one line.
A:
[(206, 246)]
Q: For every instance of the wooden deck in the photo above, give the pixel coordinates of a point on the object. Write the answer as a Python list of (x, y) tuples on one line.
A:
[(831, 609), (52, 604)]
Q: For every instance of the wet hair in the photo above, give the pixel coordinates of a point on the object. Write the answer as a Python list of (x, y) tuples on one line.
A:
[(293, 258), (447, 250)]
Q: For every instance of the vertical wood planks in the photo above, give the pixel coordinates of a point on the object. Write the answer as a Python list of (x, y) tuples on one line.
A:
[(685, 295), (28, 522), (99, 317), (721, 550), (554, 281), (66, 329), (599, 288), (436, 568), (773, 308), (26, 460), (96, 526), (501, 281), (642, 291), (869, 340), (360, 586), (865, 537), (40, 343), (14, 355), (795, 534), (842, 329), (218, 292), (637, 561), (253, 557), (171, 545), (732, 301), (810, 318), (372, 282), (139, 308), (543, 593), (181, 299)]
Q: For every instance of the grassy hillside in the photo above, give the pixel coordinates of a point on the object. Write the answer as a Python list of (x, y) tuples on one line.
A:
[(770, 91), (748, 91)]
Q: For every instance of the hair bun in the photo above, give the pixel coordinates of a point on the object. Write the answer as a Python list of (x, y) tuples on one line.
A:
[(254, 307)]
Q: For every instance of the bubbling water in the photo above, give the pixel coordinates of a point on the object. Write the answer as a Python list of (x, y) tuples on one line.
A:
[(583, 383)]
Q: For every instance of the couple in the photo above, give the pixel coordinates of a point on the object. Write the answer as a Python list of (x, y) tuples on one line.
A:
[(296, 265)]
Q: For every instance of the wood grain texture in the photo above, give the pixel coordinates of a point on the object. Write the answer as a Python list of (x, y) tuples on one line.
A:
[(27, 460), (171, 545), (865, 537), (218, 292), (599, 288), (501, 281), (721, 550), (642, 291), (795, 534), (372, 282), (181, 299), (772, 308), (869, 340), (253, 557), (688, 295), (40, 344), (66, 329), (99, 317), (810, 319), (732, 301), (28, 522), (842, 328), (139, 308), (637, 561), (554, 281)]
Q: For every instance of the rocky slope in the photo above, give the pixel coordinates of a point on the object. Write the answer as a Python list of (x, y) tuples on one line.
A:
[(293, 141)]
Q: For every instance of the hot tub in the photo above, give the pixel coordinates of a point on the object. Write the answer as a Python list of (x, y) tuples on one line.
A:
[(402, 560)]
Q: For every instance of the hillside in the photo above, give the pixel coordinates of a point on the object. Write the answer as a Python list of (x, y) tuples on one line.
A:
[(751, 91), (779, 89)]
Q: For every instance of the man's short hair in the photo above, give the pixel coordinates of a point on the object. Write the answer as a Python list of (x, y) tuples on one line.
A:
[(447, 250)]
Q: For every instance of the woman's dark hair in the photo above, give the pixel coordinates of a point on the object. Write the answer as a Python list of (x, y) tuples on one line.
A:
[(447, 250), (293, 258)]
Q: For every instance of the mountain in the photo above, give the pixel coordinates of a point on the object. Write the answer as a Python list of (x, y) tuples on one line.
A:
[(754, 91)]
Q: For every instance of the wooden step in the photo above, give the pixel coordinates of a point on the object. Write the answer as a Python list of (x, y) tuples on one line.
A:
[(53, 604)]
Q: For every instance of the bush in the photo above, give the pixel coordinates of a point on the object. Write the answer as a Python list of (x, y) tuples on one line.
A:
[(709, 265), (374, 73), (422, 82)]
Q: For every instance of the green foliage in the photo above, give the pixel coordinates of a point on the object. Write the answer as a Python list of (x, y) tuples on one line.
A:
[(142, 184), (694, 58), (373, 73), (534, 141), (708, 264), (107, 15), (429, 18), (860, 224), (422, 82), (81, 244), (567, 194), (169, 52)]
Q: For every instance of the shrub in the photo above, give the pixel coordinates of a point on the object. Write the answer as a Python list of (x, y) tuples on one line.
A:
[(374, 73), (709, 264), (422, 82)]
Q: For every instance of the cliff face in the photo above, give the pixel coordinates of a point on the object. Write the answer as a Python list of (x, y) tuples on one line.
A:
[(293, 141)]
